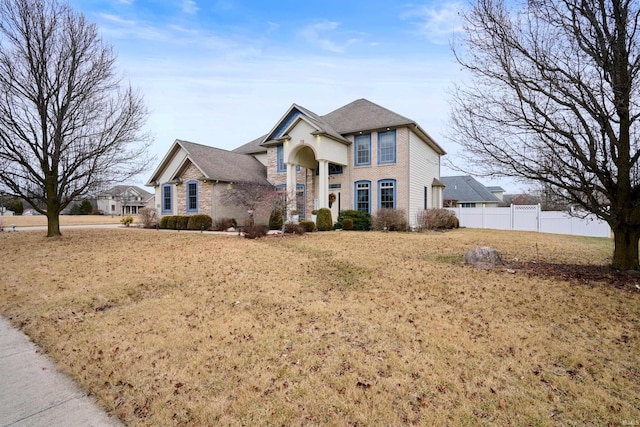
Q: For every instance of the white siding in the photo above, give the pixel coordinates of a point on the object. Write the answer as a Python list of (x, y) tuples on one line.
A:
[(424, 166)]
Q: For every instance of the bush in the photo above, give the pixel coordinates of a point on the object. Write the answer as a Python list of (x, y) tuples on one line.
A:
[(324, 222), (347, 224), (223, 224), (308, 226), (126, 220), (390, 220), (361, 220), (148, 217), (181, 222), (437, 219), (276, 220), (169, 222), (163, 222), (199, 222), (293, 228), (255, 231)]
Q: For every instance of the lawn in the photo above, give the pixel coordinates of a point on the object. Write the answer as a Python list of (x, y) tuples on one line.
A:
[(334, 328), (65, 220)]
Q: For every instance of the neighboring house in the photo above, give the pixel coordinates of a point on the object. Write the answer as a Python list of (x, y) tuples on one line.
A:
[(124, 200), (361, 156), (466, 192)]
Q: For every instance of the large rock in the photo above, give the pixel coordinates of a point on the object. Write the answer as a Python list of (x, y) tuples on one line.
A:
[(484, 258)]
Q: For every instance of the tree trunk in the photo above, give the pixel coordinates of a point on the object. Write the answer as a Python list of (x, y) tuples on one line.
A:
[(625, 252), (53, 224)]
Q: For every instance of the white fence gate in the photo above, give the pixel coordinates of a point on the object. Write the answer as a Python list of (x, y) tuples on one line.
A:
[(531, 218)]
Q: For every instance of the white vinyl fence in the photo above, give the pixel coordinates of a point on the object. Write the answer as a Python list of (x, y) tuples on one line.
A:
[(531, 218)]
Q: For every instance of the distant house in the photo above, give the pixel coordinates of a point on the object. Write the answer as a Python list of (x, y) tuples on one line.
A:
[(124, 200), (360, 156), (466, 192)]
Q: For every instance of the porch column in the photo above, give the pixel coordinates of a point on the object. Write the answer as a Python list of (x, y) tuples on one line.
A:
[(323, 183), (291, 189)]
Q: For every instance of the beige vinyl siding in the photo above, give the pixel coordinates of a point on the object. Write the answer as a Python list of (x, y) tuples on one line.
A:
[(424, 166)]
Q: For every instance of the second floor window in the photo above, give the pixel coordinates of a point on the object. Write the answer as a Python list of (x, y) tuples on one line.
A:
[(363, 150), (387, 147), (280, 166)]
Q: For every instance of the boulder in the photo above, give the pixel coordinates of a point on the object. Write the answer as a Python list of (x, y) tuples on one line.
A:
[(484, 258)]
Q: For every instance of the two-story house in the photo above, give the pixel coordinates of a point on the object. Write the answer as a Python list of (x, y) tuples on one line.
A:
[(361, 156)]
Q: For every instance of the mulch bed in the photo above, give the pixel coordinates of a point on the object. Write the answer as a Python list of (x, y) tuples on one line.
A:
[(583, 274)]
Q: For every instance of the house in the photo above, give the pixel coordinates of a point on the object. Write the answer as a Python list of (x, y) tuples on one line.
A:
[(124, 200), (361, 156), (466, 192)]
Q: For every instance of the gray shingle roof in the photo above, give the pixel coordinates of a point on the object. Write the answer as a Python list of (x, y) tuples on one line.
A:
[(465, 189), (357, 116), (361, 115), (222, 165), (252, 147)]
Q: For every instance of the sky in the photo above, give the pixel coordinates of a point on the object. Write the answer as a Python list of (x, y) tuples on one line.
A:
[(222, 73)]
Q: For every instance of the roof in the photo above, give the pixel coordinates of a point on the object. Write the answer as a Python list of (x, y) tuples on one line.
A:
[(358, 116), (465, 189), (117, 190), (217, 164)]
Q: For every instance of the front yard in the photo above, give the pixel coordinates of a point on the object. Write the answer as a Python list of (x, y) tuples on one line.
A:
[(340, 328)]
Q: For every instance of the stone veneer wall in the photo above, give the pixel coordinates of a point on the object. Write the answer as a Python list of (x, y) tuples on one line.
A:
[(205, 195)]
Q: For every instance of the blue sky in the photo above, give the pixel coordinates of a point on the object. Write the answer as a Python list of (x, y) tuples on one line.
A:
[(222, 73)]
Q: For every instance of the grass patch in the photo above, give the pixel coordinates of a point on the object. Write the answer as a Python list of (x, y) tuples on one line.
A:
[(328, 328)]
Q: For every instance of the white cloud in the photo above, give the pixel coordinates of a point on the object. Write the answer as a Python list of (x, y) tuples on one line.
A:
[(190, 7), (318, 34), (436, 24)]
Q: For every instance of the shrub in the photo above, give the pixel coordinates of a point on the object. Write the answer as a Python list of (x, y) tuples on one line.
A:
[(254, 231), (347, 224), (126, 220), (276, 220), (223, 224), (361, 220), (437, 219), (170, 222), (308, 226), (148, 217), (293, 228), (390, 220), (199, 222), (181, 222), (163, 222), (324, 222)]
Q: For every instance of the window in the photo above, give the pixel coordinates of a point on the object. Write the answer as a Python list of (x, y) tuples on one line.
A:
[(363, 150), (166, 199), (280, 166), (387, 147), (363, 196), (301, 204), (467, 205), (333, 169), (192, 196), (426, 195), (387, 193)]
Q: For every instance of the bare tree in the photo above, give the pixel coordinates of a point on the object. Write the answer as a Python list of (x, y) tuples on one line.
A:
[(554, 99), (67, 125), (259, 199)]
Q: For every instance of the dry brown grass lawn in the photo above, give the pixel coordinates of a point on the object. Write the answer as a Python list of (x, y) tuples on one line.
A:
[(338, 328), (41, 220)]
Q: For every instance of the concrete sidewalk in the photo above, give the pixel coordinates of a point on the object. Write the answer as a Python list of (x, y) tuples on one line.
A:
[(34, 393)]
